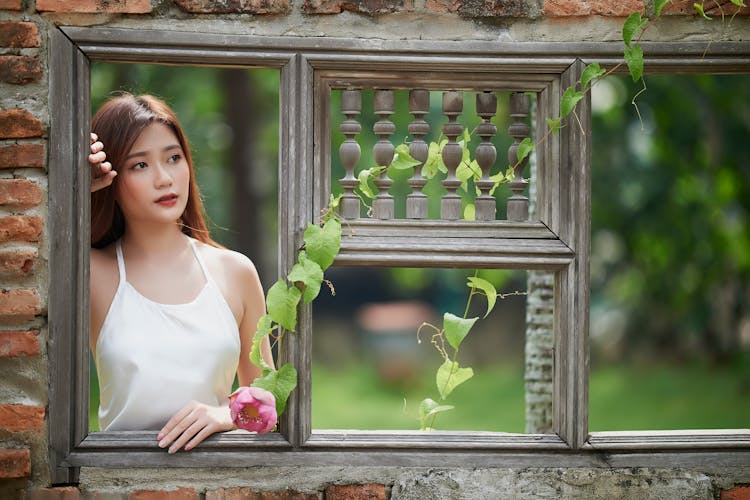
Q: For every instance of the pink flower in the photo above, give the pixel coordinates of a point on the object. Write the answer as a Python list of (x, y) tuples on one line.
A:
[(253, 409)]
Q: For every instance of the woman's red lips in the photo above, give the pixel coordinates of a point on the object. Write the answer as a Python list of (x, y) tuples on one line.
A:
[(167, 199)]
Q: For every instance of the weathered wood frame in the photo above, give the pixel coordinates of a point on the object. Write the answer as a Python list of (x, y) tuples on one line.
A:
[(309, 68)]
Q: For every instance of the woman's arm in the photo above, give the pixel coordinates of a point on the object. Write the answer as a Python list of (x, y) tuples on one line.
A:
[(103, 281), (254, 307)]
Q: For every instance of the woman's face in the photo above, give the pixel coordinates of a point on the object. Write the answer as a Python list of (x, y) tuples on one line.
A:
[(152, 182)]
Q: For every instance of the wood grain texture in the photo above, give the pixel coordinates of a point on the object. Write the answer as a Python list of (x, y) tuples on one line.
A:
[(571, 313), (69, 230)]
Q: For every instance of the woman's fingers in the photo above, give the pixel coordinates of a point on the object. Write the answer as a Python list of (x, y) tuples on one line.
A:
[(102, 174), (97, 157), (194, 428), (198, 439), (174, 425), (192, 424)]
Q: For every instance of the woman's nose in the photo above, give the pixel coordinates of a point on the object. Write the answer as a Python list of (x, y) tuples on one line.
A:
[(163, 177)]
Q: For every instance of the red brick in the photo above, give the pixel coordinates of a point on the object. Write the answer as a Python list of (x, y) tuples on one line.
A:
[(739, 492), (611, 8), (102, 495), (17, 261), (20, 228), (621, 8), (23, 343), (11, 4), (22, 156), (15, 464), (558, 8), (178, 494), (19, 34), (368, 491), (16, 418), (235, 6), (322, 6), (95, 6), (60, 493), (19, 305), (369, 7), (19, 124), (20, 70), (19, 193), (443, 6), (250, 494)]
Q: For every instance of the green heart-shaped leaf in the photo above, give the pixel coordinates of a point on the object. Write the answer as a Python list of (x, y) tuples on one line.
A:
[(449, 376)]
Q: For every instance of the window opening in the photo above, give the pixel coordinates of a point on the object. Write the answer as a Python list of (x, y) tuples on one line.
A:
[(374, 361), (416, 126), (231, 119), (670, 266)]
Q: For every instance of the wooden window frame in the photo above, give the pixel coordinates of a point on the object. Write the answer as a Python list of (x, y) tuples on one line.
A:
[(310, 68)]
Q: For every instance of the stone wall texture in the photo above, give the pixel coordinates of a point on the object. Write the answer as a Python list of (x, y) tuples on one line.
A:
[(24, 245)]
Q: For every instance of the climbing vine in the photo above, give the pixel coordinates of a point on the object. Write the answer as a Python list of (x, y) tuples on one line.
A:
[(321, 245), (322, 241)]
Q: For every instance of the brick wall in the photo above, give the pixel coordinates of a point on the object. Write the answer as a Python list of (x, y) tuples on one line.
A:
[(22, 215), (24, 25)]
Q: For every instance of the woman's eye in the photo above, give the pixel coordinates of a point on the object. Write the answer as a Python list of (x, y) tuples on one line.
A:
[(175, 158), (139, 166)]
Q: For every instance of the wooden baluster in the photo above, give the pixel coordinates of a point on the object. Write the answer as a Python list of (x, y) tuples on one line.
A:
[(450, 204), (383, 153), (419, 106), (518, 203), (486, 154), (349, 152)]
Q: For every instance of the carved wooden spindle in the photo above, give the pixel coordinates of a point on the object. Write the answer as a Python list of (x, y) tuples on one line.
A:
[(486, 154), (349, 152), (419, 106), (518, 203), (383, 153), (450, 204)]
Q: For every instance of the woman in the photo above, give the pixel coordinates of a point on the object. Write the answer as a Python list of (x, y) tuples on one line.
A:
[(172, 313)]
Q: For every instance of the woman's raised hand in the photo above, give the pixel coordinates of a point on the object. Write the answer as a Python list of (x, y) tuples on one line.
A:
[(102, 174), (192, 424)]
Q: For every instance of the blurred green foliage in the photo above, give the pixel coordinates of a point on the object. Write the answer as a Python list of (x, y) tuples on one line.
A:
[(671, 216)]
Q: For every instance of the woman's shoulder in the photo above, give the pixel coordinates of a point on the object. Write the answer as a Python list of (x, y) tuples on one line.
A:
[(224, 256), (235, 276), (228, 263)]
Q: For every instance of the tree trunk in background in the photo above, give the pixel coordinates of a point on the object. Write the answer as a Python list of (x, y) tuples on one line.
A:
[(539, 333), (243, 112)]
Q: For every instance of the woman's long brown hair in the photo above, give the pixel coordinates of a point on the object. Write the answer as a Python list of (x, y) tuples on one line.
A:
[(119, 123)]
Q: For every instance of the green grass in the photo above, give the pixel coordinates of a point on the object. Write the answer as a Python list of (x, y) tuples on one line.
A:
[(669, 396), (622, 397), (354, 397)]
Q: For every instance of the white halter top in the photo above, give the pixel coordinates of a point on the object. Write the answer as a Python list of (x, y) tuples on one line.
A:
[(154, 358)]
